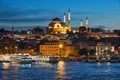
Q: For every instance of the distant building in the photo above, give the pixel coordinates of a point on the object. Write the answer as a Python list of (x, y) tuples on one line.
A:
[(109, 34), (82, 28)]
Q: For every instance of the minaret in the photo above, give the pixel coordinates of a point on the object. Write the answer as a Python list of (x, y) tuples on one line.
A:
[(81, 23), (69, 26), (64, 18), (86, 23), (12, 32)]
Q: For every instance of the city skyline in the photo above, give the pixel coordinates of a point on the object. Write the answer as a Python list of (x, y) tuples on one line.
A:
[(104, 13)]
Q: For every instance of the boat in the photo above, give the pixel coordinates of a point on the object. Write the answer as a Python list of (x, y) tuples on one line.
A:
[(5, 59), (21, 59), (25, 60), (44, 59)]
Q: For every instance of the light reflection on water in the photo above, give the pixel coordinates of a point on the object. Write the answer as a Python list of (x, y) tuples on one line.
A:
[(107, 63), (61, 71), (5, 65), (25, 65)]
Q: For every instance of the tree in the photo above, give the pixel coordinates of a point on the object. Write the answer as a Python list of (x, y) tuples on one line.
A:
[(38, 30), (83, 51), (70, 33), (96, 30), (23, 32), (2, 30), (92, 52)]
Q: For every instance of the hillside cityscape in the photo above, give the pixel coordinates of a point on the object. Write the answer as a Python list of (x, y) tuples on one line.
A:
[(59, 39), (79, 44)]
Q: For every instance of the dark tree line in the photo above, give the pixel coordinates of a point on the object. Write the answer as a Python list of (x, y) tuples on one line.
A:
[(36, 30), (87, 52)]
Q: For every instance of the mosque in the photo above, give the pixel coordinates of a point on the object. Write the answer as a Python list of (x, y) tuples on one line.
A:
[(56, 26)]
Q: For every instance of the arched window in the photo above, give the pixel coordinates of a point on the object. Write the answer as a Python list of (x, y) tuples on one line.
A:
[(57, 25)]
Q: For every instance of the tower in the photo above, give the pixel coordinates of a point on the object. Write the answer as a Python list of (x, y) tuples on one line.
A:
[(81, 23), (64, 18), (12, 32), (69, 26), (86, 23)]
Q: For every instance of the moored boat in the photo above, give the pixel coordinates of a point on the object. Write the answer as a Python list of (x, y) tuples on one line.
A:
[(44, 59), (21, 59)]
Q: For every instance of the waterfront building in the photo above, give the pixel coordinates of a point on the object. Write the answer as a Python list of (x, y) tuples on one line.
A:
[(104, 49), (52, 48), (8, 46)]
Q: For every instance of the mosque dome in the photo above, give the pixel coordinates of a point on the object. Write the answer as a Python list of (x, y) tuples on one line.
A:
[(56, 19)]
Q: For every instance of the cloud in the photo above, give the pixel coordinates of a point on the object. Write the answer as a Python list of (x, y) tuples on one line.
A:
[(25, 20), (26, 15), (10, 13)]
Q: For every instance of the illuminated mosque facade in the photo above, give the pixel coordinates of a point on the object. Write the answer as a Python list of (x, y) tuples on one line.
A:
[(56, 26)]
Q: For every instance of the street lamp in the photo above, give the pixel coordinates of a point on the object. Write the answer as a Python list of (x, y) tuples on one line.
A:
[(60, 49), (32, 51), (6, 48), (16, 49)]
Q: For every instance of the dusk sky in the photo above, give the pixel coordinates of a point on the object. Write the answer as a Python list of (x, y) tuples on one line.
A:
[(104, 13)]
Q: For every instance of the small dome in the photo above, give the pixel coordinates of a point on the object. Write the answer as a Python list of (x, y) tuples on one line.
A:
[(56, 19)]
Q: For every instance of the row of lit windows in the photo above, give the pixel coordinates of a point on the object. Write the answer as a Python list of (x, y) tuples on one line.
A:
[(52, 46), (49, 50), (57, 27), (49, 53)]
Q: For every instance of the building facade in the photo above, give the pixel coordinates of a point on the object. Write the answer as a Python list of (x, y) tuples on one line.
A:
[(53, 48), (57, 27), (104, 49)]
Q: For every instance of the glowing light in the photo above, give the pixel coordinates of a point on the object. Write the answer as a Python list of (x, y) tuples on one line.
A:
[(99, 64), (61, 70), (108, 63), (6, 65), (16, 47), (61, 45)]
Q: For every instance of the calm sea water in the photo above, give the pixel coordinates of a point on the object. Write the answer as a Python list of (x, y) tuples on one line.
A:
[(60, 71)]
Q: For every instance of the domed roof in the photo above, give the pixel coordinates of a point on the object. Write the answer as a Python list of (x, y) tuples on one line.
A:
[(56, 19)]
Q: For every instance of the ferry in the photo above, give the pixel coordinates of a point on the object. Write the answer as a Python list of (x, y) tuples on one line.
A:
[(5, 59), (21, 59), (44, 59)]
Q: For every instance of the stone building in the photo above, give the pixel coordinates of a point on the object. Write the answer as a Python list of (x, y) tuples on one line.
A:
[(62, 48)]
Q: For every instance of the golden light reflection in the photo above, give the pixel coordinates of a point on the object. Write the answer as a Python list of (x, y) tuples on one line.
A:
[(6, 65), (108, 63), (61, 70), (26, 65), (99, 63)]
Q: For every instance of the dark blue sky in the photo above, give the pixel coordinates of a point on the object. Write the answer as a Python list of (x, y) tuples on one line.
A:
[(105, 13)]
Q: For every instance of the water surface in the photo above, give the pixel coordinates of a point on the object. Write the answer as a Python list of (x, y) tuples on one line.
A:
[(60, 71)]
